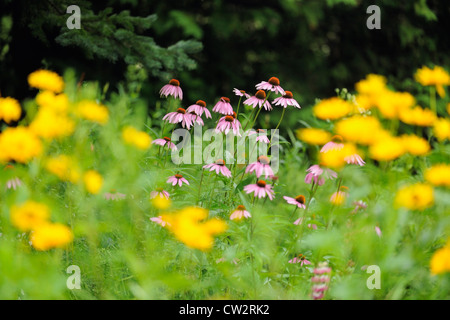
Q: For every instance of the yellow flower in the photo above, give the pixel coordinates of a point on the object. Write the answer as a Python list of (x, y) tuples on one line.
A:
[(187, 227), (29, 215), (448, 108), (417, 116), (359, 129), (10, 109), (418, 196), (64, 168), (336, 158), (19, 144), (313, 136), (49, 124), (391, 104), (387, 149), (51, 235), (415, 145), (57, 103), (332, 109), (161, 203), (338, 198), (440, 261), (46, 80), (441, 129), (433, 77), (372, 85), (93, 181), (92, 111), (438, 175), (139, 139)]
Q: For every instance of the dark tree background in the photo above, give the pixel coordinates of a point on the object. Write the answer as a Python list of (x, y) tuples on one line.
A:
[(214, 46)]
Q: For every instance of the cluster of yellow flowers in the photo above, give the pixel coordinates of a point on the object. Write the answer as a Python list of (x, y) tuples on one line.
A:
[(189, 226), (34, 217)]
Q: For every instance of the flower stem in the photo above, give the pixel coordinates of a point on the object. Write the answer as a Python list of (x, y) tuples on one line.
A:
[(279, 122)]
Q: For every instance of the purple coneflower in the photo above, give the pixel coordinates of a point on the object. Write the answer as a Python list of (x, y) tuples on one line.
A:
[(13, 183), (165, 141), (223, 106), (300, 259), (198, 108), (318, 174), (338, 197), (159, 220), (336, 143), (260, 189), (273, 85), (114, 195), (262, 135), (298, 201), (378, 231), (172, 89), (179, 116), (159, 192), (196, 119), (354, 159), (241, 93), (261, 166), (220, 167), (177, 179), (228, 123), (257, 101), (359, 205), (240, 213), (286, 100)]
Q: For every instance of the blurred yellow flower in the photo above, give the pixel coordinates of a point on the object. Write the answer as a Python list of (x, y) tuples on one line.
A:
[(57, 103), (50, 125), (438, 175), (433, 77), (51, 235), (188, 227), (441, 129), (92, 111), (10, 109), (359, 129), (19, 144), (417, 116), (336, 158), (313, 136), (93, 181), (448, 108), (418, 196), (46, 80), (387, 149), (415, 145), (139, 139), (338, 197), (161, 203), (64, 168), (440, 261), (391, 103), (332, 108), (29, 215), (373, 84)]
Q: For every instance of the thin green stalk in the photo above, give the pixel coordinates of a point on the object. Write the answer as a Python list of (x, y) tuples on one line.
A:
[(279, 122)]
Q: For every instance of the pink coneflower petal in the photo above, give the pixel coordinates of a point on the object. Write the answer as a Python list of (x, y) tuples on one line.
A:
[(160, 221), (272, 85), (223, 106), (159, 192), (260, 167), (172, 89), (228, 124), (219, 167), (261, 189), (199, 108), (287, 100), (240, 213), (177, 179), (378, 231), (240, 93), (165, 142), (259, 100), (298, 201), (179, 116), (354, 159)]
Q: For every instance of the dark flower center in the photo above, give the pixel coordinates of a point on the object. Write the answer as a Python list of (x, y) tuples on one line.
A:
[(225, 99), (343, 188), (167, 139), (263, 160), (234, 115), (242, 91), (337, 139), (300, 199), (274, 81), (288, 95), (178, 176), (261, 183), (174, 82), (220, 162), (201, 103), (261, 131), (240, 207), (229, 118), (181, 110), (260, 94)]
